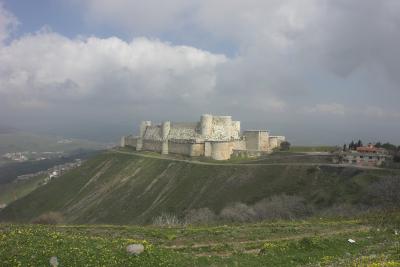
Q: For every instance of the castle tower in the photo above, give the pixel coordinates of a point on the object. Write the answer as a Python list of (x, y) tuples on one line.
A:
[(123, 143), (165, 128), (142, 131), (226, 123), (206, 124), (235, 129)]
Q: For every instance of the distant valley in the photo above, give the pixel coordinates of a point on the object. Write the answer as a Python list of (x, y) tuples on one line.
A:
[(28, 159)]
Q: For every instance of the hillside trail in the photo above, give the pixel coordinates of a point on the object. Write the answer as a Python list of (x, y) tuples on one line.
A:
[(238, 245), (246, 164)]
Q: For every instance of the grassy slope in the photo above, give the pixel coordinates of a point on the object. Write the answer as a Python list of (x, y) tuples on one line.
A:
[(123, 189), (300, 243), (15, 190)]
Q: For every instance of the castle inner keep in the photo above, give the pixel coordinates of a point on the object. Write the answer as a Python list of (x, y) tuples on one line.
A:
[(217, 137)]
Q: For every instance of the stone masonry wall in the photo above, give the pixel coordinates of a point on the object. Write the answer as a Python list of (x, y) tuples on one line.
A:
[(197, 150), (151, 145), (179, 148), (264, 141), (221, 150), (129, 141), (252, 140), (239, 145)]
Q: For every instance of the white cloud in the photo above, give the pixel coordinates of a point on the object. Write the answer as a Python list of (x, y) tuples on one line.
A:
[(47, 68), (332, 36), (331, 108), (375, 112), (7, 23), (288, 54), (368, 112)]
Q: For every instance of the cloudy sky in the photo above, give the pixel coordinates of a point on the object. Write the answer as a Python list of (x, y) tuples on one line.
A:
[(317, 71)]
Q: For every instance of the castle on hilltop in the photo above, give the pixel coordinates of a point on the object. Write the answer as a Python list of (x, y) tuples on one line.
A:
[(218, 137)]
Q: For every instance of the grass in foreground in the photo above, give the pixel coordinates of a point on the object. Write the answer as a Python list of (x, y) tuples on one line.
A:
[(300, 243)]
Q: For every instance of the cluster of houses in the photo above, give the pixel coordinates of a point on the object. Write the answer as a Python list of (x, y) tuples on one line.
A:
[(364, 156), (16, 156), (31, 155), (53, 172)]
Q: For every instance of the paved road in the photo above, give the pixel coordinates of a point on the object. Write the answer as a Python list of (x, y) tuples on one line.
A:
[(243, 164)]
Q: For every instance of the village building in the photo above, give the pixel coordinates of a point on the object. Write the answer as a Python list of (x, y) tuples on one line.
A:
[(366, 156)]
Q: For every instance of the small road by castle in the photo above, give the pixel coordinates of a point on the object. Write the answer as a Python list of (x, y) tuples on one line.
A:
[(140, 154)]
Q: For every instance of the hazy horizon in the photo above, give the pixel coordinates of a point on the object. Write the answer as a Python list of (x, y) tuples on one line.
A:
[(318, 72)]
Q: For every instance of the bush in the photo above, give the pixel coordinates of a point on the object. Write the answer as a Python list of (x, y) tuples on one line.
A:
[(396, 157), (167, 219), (282, 207), (200, 216), (385, 192), (344, 210), (285, 146), (273, 208), (238, 212), (49, 218)]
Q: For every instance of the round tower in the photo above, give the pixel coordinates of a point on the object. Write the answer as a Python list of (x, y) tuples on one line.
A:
[(236, 129), (143, 127), (221, 150), (165, 128), (142, 131), (123, 142), (226, 123), (206, 124)]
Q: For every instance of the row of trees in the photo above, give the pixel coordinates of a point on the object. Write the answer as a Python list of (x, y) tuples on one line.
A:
[(380, 195), (388, 146), (393, 150), (352, 145)]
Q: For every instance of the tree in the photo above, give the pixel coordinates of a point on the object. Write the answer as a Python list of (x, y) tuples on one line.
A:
[(396, 157), (285, 146), (384, 192), (359, 144), (344, 147), (390, 147), (352, 145)]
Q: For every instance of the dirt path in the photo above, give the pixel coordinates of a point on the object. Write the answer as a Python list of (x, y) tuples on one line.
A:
[(246, 164), (238, 245)]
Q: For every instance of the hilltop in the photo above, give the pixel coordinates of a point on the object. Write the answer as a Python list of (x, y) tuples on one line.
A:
[(122, 187)]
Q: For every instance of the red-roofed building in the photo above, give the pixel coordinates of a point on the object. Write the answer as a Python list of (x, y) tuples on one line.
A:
[(366, 156), (371, 149)]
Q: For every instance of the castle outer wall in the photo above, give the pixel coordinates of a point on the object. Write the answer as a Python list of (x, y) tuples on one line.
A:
[(213, 136)]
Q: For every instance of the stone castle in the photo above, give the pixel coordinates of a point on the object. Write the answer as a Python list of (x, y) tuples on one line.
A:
[(218, 137)]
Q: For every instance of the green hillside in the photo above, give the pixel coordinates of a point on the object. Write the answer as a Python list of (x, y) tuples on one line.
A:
[(14, 190), (121, 188), (314, 242)]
